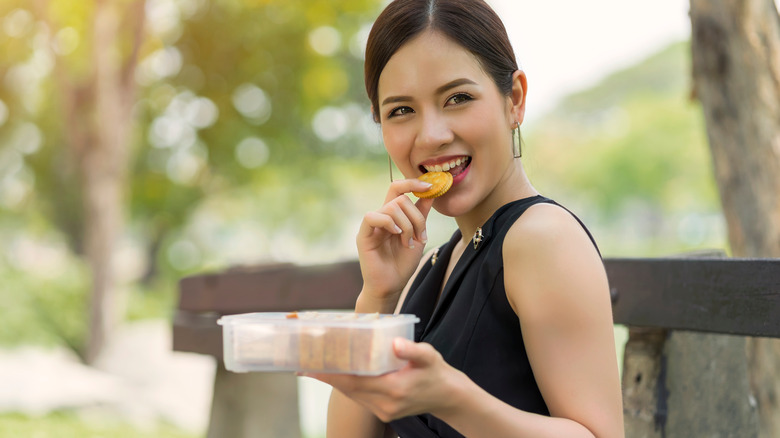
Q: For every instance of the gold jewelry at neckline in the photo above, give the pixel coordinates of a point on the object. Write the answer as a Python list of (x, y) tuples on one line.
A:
[(478, 237), (435, 256)]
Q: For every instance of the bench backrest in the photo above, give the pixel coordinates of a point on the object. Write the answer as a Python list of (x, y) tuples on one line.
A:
[(715, 295)]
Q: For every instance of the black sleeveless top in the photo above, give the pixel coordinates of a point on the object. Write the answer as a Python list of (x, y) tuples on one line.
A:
[(472, 325)]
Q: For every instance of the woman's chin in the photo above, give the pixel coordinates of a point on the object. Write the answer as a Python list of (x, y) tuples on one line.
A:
[(450, 206)]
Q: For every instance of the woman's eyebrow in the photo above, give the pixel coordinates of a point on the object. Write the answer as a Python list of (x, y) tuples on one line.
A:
[(453, 84), (449, 85), (395, 99)]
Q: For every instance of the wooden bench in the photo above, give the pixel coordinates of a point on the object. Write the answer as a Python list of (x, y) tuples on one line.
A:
[(256, 404), (681, 366)]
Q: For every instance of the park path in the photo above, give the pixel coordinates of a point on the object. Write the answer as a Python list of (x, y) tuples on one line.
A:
[(137, 379)]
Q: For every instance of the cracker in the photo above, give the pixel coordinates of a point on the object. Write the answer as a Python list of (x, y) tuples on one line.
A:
[(441, 182)]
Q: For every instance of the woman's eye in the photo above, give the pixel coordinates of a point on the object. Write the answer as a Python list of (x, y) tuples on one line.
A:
[(401, 110), (459, 98)]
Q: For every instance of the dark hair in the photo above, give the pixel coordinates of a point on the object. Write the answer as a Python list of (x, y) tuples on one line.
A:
[(470, 23)]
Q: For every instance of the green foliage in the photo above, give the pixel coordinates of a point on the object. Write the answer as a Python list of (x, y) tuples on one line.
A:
[(43, 310), (69, 425), (155, 300), (228, 93), (260, 50), (631, 153), (51, 310)]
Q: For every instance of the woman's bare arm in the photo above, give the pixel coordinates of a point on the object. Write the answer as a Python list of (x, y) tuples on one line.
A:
[(347, 419)]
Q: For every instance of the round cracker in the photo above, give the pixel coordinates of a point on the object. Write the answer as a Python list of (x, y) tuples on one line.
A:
[(441, 182)]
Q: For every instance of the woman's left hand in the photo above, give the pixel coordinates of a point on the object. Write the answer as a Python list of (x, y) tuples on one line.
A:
[(424, 385)]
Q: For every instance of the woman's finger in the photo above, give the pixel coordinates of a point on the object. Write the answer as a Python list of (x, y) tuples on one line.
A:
[(378, 220), (399, 216), (395, 209), (404, 186), (417, 353), (416, 217), (424, 206)]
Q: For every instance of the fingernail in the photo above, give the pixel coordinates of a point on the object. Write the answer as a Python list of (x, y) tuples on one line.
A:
[(397, 230), (424, 236), (398, 345), (411, 243)]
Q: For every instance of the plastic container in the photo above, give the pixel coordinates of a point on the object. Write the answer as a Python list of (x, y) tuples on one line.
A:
[(325, 341)]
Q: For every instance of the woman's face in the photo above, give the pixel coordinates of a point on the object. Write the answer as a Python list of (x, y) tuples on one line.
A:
[(440, 111)]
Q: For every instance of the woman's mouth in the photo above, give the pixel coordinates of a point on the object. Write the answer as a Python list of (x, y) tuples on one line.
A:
[(454, 166)]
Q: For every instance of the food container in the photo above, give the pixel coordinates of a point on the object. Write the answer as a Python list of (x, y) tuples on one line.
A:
[(324, 341)]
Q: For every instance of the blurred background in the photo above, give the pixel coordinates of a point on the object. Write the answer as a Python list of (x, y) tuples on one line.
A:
[(143, 141)]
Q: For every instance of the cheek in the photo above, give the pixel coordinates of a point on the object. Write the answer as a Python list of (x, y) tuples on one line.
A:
[(397, 143), (481, 123)]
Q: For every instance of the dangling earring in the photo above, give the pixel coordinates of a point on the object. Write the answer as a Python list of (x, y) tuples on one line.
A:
[(517, 141), (390, 166)]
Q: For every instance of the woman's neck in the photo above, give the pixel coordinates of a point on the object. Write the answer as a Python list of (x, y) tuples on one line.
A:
[(515, 185)]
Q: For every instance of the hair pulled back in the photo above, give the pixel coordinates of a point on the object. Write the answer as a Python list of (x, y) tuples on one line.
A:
[(470, 23)]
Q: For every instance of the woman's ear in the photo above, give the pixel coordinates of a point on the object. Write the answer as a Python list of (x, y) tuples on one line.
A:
[(519, 89), (374, 115)]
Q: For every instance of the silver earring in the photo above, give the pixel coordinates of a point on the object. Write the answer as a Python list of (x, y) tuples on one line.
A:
[(390, 166), (517, 141)]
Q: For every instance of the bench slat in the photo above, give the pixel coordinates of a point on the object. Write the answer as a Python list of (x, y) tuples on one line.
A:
[(277, 288), (728, 296), (269, 288), (197, 333)]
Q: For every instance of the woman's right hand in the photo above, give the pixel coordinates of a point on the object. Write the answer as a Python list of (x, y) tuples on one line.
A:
[(390, 244)]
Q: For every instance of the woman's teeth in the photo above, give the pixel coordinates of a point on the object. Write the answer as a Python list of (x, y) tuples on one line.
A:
[(444, 167)]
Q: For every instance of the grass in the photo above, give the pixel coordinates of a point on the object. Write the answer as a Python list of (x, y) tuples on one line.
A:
[(42, 310), (68, 424)]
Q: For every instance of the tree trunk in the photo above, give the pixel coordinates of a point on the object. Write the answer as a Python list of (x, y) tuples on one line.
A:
[(97, 111), (736, 72), (104, 165)]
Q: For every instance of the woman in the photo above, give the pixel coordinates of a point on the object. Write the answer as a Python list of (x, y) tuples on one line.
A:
[(515, 338)]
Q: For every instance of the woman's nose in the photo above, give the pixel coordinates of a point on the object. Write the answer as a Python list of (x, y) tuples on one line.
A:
[(434, 131)]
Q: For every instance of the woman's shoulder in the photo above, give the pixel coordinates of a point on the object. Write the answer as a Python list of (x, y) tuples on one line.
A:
[(547, 235), (546, 225), (552, 260)]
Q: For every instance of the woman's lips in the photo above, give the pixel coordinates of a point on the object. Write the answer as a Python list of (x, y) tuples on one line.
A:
[(461, 172)]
